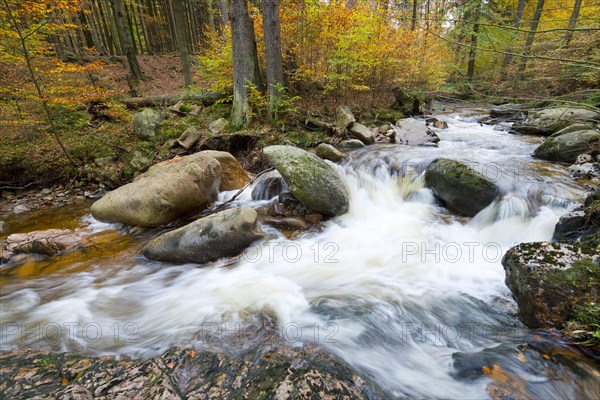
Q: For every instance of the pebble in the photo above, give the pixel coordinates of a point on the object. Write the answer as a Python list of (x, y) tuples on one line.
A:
[(2, 223), (21, 209)]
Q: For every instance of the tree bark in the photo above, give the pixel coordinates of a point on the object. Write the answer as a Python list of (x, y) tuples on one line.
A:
[(507, 57), (182, 39), (530, 37), (413, 25), (125, 38), (572, 22), (474, 37), (272, 34), (245, 61)]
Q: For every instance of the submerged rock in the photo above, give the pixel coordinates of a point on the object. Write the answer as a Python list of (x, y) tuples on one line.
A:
[(310, 179), (554, 284), (328, 152), (48, 242), (166, 192), (280, 373), (146, 123), (224, 234), (460, 187), (567, 146)]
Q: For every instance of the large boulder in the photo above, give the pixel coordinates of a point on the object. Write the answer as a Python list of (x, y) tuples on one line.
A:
[(413, 132), (552, 120), (233, 176), (310, 179), (224, 234), (281, 372), (362, 133), (146, 123), (565, 147), (166, 192), (554, 284), (460, 187)]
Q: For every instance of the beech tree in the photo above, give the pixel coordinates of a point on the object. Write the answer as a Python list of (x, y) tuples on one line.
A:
[(245, 61), (274, 62)]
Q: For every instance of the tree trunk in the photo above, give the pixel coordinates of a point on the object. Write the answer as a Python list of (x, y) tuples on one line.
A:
[(474, 36), (413, 25), (125, 38), (508, 57), (572, 22), (245, 60), (272, 33), (530, 37), (89, 17), (182, 39)]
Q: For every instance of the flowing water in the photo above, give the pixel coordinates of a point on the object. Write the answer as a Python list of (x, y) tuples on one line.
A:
[(400, 288)]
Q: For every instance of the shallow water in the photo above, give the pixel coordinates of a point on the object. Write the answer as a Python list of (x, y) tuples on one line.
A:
[(400, 288)]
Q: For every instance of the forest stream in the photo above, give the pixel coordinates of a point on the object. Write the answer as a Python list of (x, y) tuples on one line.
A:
[(400, 288)]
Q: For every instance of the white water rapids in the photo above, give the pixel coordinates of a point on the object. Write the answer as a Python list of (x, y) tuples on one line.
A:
[(395, 287)]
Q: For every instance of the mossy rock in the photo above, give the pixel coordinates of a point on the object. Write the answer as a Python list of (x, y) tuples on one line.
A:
[(459, 187), (554, 284), (311, 180), (567, 146)]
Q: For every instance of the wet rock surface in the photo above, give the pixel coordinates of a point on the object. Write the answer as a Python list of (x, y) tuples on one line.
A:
[(224, 234), (281, 373), (554, 283), (460, 187)]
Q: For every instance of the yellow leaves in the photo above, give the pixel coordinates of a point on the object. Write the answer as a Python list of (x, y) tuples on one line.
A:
[(521, 357)]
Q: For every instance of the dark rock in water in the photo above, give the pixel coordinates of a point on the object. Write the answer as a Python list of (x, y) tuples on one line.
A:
[(554, 284), (352, 144), (48, 242), (268, 187), (582, 223), (281, 373), (508, 113), (224, 234), (460, 187), (436, 123)]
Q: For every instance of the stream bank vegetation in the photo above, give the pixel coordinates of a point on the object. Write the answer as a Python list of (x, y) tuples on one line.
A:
[(68, 67)]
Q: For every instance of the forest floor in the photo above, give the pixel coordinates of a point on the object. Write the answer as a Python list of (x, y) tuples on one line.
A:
[(30, 155)]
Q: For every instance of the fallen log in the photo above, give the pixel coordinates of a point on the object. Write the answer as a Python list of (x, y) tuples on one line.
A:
[(207, 98)]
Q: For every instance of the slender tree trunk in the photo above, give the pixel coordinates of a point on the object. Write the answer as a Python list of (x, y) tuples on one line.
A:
[(530, 37), (474, 37), (125, 38), (182, 39), (91, 22), (508, 57), (36, 84), (211, 16), (272, 33), (413, 24), (572, 22), (245, 61)]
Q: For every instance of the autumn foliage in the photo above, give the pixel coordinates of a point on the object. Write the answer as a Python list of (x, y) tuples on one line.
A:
[(337, 50)]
